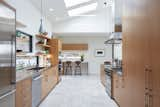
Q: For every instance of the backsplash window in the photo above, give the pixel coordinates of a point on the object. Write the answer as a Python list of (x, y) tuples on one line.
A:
[(24, 62)]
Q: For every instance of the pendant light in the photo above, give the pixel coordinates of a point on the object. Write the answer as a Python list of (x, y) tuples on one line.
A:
[(41, 20)]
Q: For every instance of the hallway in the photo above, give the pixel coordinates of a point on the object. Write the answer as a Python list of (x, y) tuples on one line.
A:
[(78, 91)]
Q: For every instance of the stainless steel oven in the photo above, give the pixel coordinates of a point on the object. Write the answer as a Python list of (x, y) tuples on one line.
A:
[(108, 77), (7, 55)]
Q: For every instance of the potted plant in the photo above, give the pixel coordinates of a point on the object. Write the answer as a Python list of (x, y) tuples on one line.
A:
[(82, 57)]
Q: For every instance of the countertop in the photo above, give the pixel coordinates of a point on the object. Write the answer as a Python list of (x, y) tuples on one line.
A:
[(25, 73)]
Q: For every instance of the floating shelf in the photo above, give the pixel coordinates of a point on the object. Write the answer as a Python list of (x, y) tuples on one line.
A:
[(43, 37), (42, 45), (21, 54), (22, 40), (44, 54)]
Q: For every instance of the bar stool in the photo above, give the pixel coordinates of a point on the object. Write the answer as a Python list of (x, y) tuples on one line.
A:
[(68, 68), (78, 67)]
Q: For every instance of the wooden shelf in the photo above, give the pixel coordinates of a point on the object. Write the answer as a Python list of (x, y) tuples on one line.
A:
[(43, 37), (42, 45), (43, 54), (22, 40)]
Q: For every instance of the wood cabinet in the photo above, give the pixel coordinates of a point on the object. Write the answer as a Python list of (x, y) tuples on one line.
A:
[(102, 75), (24, 93), (75, 47), (141, 50), (118, 86), (56, 48), (49, 80), (154, 41)]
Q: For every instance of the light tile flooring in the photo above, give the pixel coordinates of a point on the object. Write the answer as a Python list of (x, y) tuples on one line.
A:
[(78, 91)]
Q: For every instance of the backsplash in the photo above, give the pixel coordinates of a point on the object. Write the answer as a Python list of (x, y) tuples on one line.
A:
[(24, 62)]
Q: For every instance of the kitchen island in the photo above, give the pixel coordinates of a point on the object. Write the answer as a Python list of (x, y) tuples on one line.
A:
[(83, 67)]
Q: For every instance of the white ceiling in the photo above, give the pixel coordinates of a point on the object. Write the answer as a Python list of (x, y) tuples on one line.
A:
[(60, 10)]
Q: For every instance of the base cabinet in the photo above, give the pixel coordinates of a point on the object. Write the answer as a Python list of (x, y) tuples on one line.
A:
[(24, 93), (102, 75), (118, 91), (49, 80)]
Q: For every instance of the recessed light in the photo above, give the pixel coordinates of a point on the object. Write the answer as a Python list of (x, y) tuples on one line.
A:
[(51, 9), (70, 3), (84, 9)]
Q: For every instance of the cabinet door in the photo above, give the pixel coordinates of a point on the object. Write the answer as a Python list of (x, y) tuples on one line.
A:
[(24, 93), (55, 75), (136, 32), (102, 74), (44, 84), (115, 85), (19, 95), (59, 45), (154, 23)]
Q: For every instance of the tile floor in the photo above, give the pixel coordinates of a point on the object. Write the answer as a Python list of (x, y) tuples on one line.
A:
[(78, 91)]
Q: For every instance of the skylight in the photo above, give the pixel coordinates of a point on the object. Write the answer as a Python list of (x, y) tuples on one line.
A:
[(82, 10), (70, 3)]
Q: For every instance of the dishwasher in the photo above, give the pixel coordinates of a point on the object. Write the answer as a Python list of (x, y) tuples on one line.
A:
[(36, 89)]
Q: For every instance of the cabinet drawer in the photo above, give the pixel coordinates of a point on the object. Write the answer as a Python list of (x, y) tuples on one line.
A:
[(23, 93)]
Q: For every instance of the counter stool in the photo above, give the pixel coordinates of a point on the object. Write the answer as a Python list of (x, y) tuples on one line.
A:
[(68, 68), (78, 68)]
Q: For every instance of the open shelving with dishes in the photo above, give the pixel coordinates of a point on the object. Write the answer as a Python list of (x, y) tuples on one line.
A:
[(43, 41), (42, 36), (43, 44)]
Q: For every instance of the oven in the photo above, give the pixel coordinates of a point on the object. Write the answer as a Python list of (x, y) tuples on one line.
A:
[(108, 77)]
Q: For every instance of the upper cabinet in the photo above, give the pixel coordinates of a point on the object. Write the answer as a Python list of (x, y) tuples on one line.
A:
[(75, 47), (55, 50)]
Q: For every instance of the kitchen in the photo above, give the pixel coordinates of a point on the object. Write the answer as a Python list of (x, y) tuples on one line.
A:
[(51, 55)]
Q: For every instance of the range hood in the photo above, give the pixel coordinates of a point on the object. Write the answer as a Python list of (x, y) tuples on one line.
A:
[(115, 38)]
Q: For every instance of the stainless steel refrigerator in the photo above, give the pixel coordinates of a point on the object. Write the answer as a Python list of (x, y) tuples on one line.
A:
[(7, 55)]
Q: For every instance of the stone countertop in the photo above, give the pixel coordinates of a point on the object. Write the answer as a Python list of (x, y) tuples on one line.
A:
[(25, 73)]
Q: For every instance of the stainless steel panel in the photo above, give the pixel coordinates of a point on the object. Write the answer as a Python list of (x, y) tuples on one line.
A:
[(8, 99), (7, 48), (36, 90)]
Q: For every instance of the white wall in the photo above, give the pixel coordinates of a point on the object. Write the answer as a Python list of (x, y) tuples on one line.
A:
[(101, 23), (93, 43), (30, 16)]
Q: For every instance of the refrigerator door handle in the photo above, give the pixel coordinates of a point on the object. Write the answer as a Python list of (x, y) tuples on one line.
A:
[(13, 60), (7, 94)]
